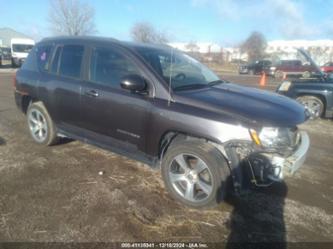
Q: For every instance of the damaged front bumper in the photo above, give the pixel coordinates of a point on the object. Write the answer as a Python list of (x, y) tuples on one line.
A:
[(289, 165), (262, 167)]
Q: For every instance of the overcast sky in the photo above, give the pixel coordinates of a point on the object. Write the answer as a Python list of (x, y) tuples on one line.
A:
[(226, 22)]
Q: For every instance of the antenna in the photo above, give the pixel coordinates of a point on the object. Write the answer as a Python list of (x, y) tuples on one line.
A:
[(170, 76)]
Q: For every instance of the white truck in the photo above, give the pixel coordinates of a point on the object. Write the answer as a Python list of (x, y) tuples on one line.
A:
[(20, 49)]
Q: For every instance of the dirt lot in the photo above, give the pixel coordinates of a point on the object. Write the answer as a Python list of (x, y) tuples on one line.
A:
[(56, 194)]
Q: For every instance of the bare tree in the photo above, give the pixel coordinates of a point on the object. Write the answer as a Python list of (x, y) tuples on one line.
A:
[(255, 46), (145, 32), (192, 47), (71, 17)]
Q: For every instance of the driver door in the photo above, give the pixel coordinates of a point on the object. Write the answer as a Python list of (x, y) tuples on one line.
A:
[(109, 110)]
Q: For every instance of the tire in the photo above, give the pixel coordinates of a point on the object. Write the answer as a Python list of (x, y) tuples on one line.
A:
[(313, 104), (13, 64), (278, 75), (306, 74), (209, 186), (40, 124)]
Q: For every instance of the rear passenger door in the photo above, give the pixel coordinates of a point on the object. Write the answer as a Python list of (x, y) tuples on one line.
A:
[(109, 110), (64, 85)]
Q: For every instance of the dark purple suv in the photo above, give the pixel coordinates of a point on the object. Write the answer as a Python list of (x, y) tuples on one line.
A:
[(164, 108)]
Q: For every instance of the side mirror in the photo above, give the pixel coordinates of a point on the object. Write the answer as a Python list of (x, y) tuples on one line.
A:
[(134, 83)]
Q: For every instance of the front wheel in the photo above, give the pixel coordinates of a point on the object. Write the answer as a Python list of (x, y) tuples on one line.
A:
[(313, 104), (41, 126), (195, 173), (13, 64)]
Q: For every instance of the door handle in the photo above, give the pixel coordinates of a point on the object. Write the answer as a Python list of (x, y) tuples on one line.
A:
[(92, 93)]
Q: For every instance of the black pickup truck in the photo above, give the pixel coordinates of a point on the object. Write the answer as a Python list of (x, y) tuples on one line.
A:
[(315, 93), (256, 67)]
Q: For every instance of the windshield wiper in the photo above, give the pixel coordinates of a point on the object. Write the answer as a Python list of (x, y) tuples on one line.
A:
[(189, 87), (216, 82)]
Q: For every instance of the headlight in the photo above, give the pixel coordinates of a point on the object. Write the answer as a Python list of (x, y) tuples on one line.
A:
[(276, 138), (272, 68), (279, 138), (268, 136), (285, 86)]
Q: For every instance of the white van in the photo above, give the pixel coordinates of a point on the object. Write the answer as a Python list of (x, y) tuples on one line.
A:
[(20, 49)]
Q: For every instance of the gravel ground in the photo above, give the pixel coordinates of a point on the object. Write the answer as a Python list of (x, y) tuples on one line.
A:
[(56, 194)]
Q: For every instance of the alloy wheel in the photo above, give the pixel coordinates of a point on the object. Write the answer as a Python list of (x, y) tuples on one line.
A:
[(37, 125), (313, 106), (190, 177)]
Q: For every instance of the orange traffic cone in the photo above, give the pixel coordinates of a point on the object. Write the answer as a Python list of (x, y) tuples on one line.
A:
[(262, 81)]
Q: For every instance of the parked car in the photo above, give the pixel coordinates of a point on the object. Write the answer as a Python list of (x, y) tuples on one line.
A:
[(315, 94), (256, 67), (327, 67), (293, 68), (162, 107), (5, 55), (20, 49)]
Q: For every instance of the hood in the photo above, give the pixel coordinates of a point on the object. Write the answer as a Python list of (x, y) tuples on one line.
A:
[(309, 59), (257, 107)]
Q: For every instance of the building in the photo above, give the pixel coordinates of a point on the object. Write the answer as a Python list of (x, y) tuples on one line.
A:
[(320, 50), (200, 47), (6, 34)]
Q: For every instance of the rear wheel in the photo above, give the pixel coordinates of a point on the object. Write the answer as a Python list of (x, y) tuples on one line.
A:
[(195, 173), (279, 75), (306, 74), (313, 104), (41, 126)]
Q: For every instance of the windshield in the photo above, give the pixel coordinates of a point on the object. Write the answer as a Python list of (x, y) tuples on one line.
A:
[(22, 48), (6, 50), (181, 70)]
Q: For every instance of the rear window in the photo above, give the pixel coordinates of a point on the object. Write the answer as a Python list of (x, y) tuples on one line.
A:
[(30, 63), (43, 57), (38, 58), (71, 60)]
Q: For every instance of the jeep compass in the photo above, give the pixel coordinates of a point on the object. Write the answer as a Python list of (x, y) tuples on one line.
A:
[(158, 105)]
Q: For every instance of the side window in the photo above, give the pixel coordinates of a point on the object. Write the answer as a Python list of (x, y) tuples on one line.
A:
[(71, 59), (30, 63), (43, 54), (55, 62), (109, 66)]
